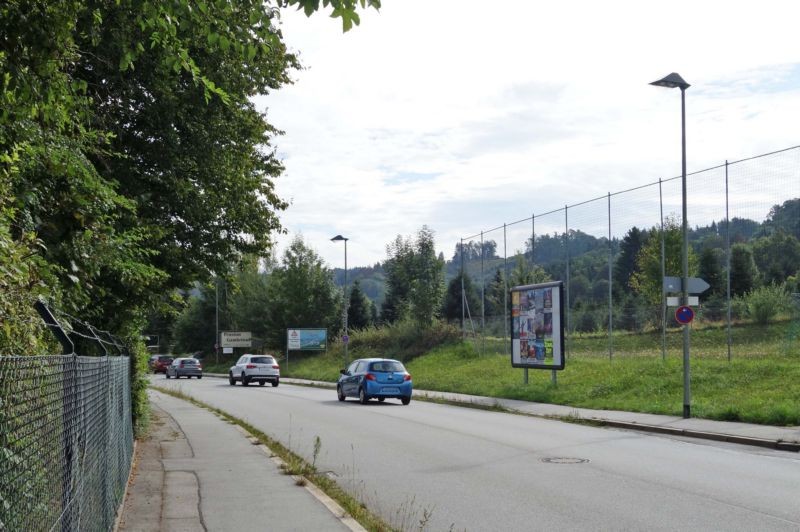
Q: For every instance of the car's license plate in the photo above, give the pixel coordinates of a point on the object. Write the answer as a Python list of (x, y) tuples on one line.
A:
[(390, 390)]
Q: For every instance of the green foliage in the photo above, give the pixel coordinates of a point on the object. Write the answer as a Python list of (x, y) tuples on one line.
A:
[(744, 272), (525, 273), (785, 217), (647, 280), (414, 279), (452, 306), (711, 271), (359, 308), (301, 293), (777, 256), (495, 294), (766, 302), (344, 9)]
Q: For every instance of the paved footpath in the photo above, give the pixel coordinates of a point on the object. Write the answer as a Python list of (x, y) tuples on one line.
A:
[(197, 472)]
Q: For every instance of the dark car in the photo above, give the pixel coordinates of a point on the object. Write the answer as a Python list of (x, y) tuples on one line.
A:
[(375, 378), (185, 367), (160, 363)]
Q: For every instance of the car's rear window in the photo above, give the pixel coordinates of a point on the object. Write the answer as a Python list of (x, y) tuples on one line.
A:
[(387, 366), (189, 362), (262, 360), (165, 359)]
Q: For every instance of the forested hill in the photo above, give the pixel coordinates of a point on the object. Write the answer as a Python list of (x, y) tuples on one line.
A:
[(589, 252)]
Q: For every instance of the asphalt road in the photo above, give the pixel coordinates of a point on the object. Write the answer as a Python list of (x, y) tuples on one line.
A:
[(453, 468)]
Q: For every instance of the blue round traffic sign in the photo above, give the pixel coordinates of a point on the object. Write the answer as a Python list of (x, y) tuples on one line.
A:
[(684, 315)]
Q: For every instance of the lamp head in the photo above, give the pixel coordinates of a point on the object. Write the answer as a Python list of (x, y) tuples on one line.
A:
[(339, 238), (673, 81)]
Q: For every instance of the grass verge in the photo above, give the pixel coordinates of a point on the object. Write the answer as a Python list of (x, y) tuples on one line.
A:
[(296, 465), (760, 384)]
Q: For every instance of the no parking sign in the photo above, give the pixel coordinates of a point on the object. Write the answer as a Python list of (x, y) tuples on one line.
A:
[(684, 315)]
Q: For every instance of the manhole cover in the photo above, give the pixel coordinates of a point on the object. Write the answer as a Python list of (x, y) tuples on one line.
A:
[(563, 460)]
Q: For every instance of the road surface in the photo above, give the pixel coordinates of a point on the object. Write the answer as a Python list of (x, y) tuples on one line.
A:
[(442, 467)]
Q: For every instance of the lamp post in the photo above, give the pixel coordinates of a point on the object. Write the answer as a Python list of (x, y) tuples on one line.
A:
[(674, 81), (339, 238)]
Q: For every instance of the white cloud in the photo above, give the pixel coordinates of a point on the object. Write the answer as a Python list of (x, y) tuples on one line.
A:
[(460, 117)]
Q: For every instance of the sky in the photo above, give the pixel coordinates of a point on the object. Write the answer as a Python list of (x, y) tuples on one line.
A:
[(463, 115)]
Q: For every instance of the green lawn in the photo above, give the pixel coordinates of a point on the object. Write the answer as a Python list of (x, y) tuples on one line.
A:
[(761, 384)]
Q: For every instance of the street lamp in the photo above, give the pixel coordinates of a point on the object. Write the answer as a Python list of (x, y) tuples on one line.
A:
[(339, 238), (674, 81)]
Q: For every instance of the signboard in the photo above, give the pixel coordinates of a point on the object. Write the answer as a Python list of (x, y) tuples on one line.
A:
[(307, 339), (236, 339), (227, 350), (675, 301), (684, 315), (695, 285), (537, 326), (150, 340)]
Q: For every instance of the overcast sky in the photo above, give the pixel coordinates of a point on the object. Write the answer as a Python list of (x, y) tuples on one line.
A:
[(465, 114)]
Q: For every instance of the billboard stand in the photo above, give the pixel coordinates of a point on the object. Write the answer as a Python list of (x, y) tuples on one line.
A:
[(305, 340), (537, 327)]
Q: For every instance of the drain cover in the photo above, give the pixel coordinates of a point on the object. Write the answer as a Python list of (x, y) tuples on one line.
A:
[(563, 460)]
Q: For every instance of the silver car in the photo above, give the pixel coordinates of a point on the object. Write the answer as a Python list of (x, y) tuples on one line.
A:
[(185, 367), (255, 368)]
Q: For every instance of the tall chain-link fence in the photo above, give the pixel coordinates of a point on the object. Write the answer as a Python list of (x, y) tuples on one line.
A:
[(612, 252), (66, 441)]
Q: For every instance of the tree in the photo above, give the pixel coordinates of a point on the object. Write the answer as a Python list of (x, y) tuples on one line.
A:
[(129, 145), (785, 217), (358, 311), (524, 273), (647, 280), (711, 271), (495, 294), (452, 306), (777, 256), (195, 328), (414, 279), (301, 293), (744, 272), (625, 264)]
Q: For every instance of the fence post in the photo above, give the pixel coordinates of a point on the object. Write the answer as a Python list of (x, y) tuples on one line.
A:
[(610, 286), (663, 274), (728, 259), (67, 412), (566, 252), (483, 302), (506, 326), (463, 294)]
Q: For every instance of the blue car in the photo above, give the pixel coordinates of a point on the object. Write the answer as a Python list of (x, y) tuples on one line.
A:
[(375, 378)]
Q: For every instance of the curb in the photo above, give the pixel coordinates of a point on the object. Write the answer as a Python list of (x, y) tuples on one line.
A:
[(332, 506), (714, 436)]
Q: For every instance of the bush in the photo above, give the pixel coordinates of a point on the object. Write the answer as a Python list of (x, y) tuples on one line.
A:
[(766, 302), (403, 340)]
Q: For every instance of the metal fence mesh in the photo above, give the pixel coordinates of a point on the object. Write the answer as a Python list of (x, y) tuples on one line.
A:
[(66, 441), (584, 245)]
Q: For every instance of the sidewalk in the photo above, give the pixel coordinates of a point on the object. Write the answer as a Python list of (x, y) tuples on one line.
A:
[(196, 472), (781, 438)]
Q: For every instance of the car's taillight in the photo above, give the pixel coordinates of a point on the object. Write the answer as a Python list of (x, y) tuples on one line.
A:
[(199, 366), (407, 377), (276, 366), (369, 377), (251, 366)]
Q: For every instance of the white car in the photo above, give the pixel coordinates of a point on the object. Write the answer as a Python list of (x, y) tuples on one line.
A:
[(255, 368)]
